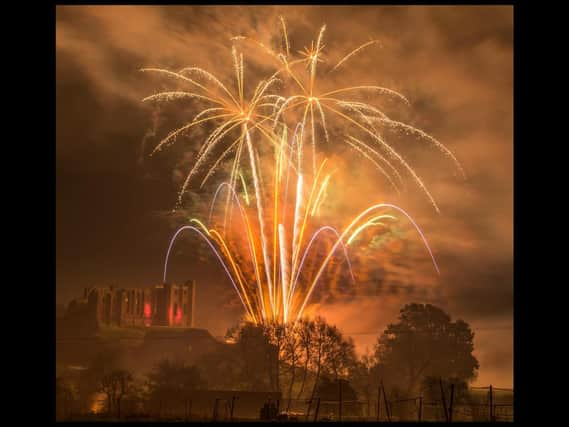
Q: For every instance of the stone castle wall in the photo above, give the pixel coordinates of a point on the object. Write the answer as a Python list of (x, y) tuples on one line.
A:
[(162, 305)]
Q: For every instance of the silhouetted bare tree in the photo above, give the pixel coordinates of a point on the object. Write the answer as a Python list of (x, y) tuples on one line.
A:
[(115, 385), (291, 356), (274, 351), (332, 354), (305, 330), (275, 333), (89, 382)]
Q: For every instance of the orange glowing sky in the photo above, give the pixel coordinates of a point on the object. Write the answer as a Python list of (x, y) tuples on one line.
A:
[(455, 64)]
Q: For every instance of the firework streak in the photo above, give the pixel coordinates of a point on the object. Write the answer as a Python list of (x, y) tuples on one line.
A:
[(272, 252)]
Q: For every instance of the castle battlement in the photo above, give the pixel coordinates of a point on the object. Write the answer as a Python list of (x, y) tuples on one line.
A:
[(161, 305)]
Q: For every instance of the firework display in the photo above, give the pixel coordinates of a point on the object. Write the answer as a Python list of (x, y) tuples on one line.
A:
[(269, 224)]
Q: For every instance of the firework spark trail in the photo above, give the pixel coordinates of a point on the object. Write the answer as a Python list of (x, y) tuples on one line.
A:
[(275, 220), (261, 218), (322, 189), (234, 120), (360, 107), (296, 223), (338, 242), (428, 137), (284, 271), (217, 134), (395, 155), (311, 57), (285, 34), (232, 180), (354, 52), (211, 77), (244, 188), (299, 230), (238, 271), (219, 188), (173, 95), (313, 138), (291, 148), (284, 267), (201, 224), (290, 278), (174, 134), (233, 108), (369, 223), (220, 159), (322, 119), (207, 111), (374, 162), (250, 238), (379, 89), (219, 257), (181, 77), (296, 251), (307, 250), (315, 57)]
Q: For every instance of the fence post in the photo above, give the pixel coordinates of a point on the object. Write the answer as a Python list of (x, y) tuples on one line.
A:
[(340, 401), (68, 408), (491, 404), (387, 409), (378, 402), (443, 399), (309, 408), (233, 398), (368, 401), (215, 409), (420, 408), (317, 410), (451, 403)]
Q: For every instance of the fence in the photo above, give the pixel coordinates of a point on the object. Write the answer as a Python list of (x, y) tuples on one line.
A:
[(499, 403), (495, 404), (491, 408)]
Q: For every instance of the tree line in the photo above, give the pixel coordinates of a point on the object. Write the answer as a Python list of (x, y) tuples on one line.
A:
[(301, 361)]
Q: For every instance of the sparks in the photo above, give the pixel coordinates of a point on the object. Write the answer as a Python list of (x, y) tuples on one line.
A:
[(276, 278)]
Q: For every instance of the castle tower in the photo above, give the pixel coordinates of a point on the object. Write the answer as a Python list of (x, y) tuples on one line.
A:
[(161, 302), (190, 301)]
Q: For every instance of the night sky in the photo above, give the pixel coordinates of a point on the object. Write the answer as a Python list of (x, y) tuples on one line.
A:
[(455, 64)]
